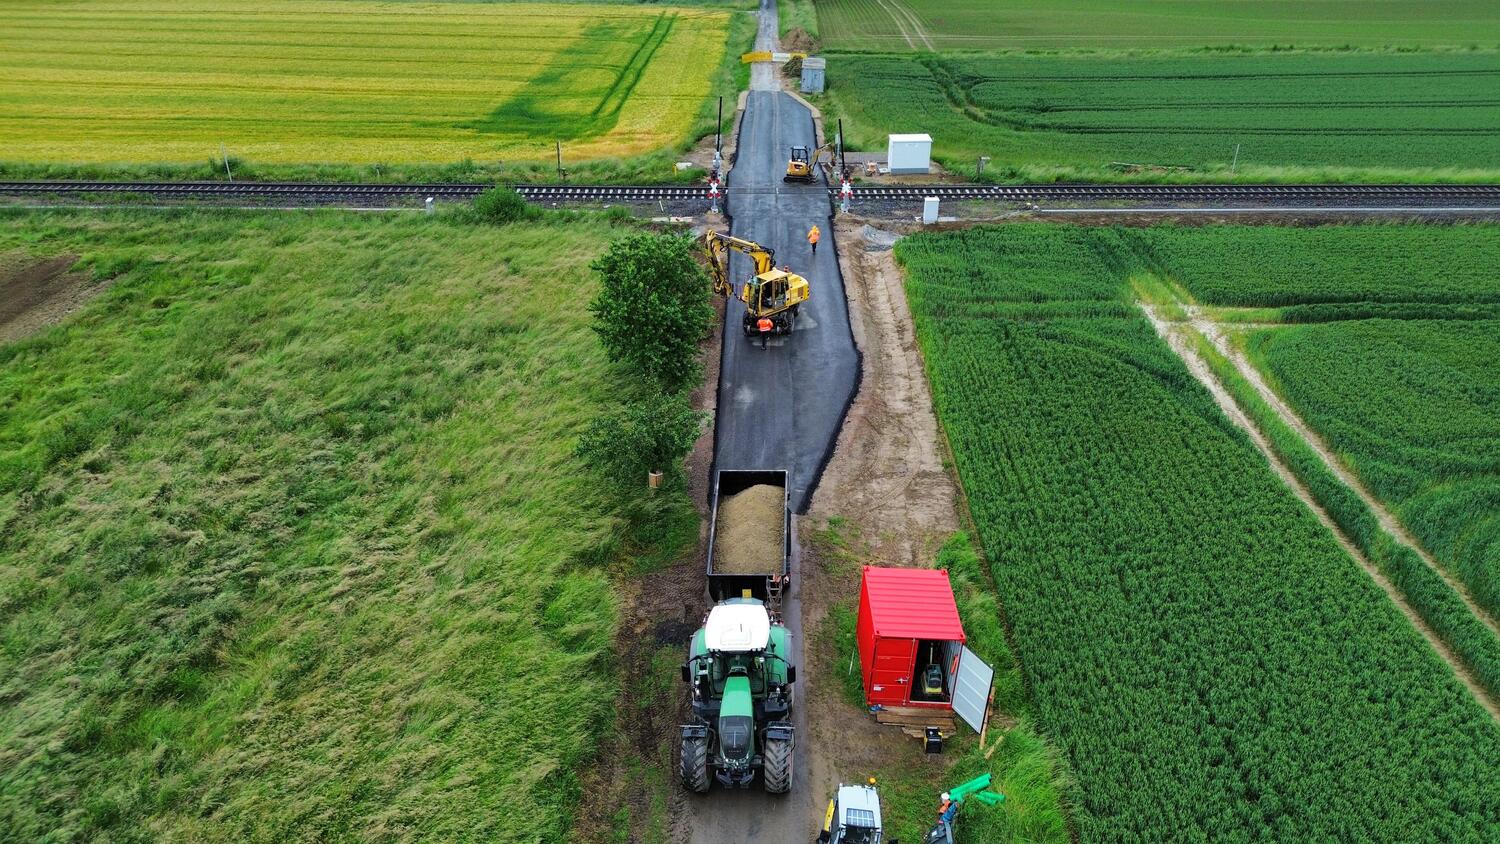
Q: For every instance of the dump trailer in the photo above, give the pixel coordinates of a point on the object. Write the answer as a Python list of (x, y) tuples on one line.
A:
[(741, 681), (750, 536)]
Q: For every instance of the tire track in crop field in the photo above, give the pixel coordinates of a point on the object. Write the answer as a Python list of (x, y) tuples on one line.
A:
[(902, 17), (1172, 335), (635, 68), (1388, 521)]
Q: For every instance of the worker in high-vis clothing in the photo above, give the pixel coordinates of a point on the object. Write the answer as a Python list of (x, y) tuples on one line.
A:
[(766, 326), (812, 237)]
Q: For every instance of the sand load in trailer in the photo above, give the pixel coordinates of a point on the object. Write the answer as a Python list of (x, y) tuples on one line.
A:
[(750, 540)]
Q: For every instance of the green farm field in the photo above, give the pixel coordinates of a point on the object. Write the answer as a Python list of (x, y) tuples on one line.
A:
[(1018, 24), (1414, 407), (1211, 662), (91, 82), (1309, 270), (1255, 116), (293, 544)]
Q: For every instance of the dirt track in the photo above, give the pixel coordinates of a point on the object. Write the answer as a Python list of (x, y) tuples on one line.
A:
[(887, 476), (887, 483)]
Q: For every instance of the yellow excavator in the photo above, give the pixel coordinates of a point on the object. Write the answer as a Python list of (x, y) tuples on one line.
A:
[(802, 167), (771, 294)]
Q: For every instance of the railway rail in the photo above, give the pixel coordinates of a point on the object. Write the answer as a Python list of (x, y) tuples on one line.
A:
[(1483, 195)]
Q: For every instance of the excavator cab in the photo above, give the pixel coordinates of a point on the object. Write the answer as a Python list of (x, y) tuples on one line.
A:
[(774, 294), (798, 167), (771, 293), (802, 165)]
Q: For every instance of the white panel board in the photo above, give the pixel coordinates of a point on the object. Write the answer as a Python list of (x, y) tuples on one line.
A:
[(971, 689)]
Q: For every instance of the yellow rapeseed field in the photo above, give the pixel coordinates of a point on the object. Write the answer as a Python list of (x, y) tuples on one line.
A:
[(348, 81)]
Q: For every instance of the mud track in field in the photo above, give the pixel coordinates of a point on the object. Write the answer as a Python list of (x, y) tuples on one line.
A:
[(1173, 333)]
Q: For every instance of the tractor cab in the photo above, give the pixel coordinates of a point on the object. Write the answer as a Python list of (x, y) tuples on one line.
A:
[(853, 817), (741, 700)]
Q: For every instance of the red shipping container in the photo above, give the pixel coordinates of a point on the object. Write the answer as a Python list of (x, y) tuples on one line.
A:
[(909, 637)]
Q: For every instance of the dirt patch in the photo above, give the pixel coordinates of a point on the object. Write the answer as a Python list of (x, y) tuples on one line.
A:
[(36, 293), (748, 535), (887, 478), (888, 491), (631, 791), (797, 40)]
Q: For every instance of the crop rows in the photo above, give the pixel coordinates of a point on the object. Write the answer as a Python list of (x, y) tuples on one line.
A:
[(1269, 265), (1023, 24), (1414, 406), (1212, 663), (1372, 111), (348, 82)]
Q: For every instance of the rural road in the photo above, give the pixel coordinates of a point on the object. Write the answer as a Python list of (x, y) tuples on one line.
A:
[(780, 407)]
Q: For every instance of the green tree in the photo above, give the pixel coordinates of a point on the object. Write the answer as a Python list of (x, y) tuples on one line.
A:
[(653, 307), (652, 434)]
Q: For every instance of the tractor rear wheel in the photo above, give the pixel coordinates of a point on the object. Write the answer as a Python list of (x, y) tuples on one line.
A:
[(777, 772), (694, 765)]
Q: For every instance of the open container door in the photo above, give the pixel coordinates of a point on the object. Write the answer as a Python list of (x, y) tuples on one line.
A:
[(971, 689)]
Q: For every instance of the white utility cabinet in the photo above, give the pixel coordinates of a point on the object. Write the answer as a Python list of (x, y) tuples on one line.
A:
[(909, 153)]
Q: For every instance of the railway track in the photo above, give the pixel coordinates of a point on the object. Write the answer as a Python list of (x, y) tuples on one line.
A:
[(299, 193)]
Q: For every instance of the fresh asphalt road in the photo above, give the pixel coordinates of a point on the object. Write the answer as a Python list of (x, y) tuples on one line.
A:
[(780, 408)]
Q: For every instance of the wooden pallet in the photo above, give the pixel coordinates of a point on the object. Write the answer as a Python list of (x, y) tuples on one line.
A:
[(914, 720)]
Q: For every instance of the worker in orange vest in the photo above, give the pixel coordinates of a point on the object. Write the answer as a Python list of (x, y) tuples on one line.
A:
[(812, 237), (765, 325)]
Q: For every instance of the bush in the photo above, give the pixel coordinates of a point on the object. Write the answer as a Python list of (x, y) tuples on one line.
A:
[(500, 206), (653, 434), (653, 307)]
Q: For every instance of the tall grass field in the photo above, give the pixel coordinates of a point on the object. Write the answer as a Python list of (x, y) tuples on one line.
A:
[(1257, 116), (1026, 24), (325, 81), (293, 544)]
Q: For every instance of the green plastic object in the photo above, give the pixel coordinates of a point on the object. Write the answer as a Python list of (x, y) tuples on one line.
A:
[(979, 783), (990, 798)]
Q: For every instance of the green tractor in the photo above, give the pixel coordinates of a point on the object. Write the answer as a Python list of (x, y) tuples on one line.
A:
[(742, 700)]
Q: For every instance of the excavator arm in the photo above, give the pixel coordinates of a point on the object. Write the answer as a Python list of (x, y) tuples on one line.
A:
[(718, 246), (771, 296)]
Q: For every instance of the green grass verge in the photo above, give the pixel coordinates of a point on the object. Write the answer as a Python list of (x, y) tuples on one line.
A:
[(797, 14), (1431, 598), (293, 544)]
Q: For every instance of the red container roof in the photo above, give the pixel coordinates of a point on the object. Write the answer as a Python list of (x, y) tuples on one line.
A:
[(912, 604)]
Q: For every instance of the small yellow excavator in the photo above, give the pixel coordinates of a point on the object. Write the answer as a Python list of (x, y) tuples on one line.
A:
[(772, 294), (802, 167)]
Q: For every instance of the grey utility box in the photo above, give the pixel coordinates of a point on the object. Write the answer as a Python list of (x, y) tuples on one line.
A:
[(812, 75)]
